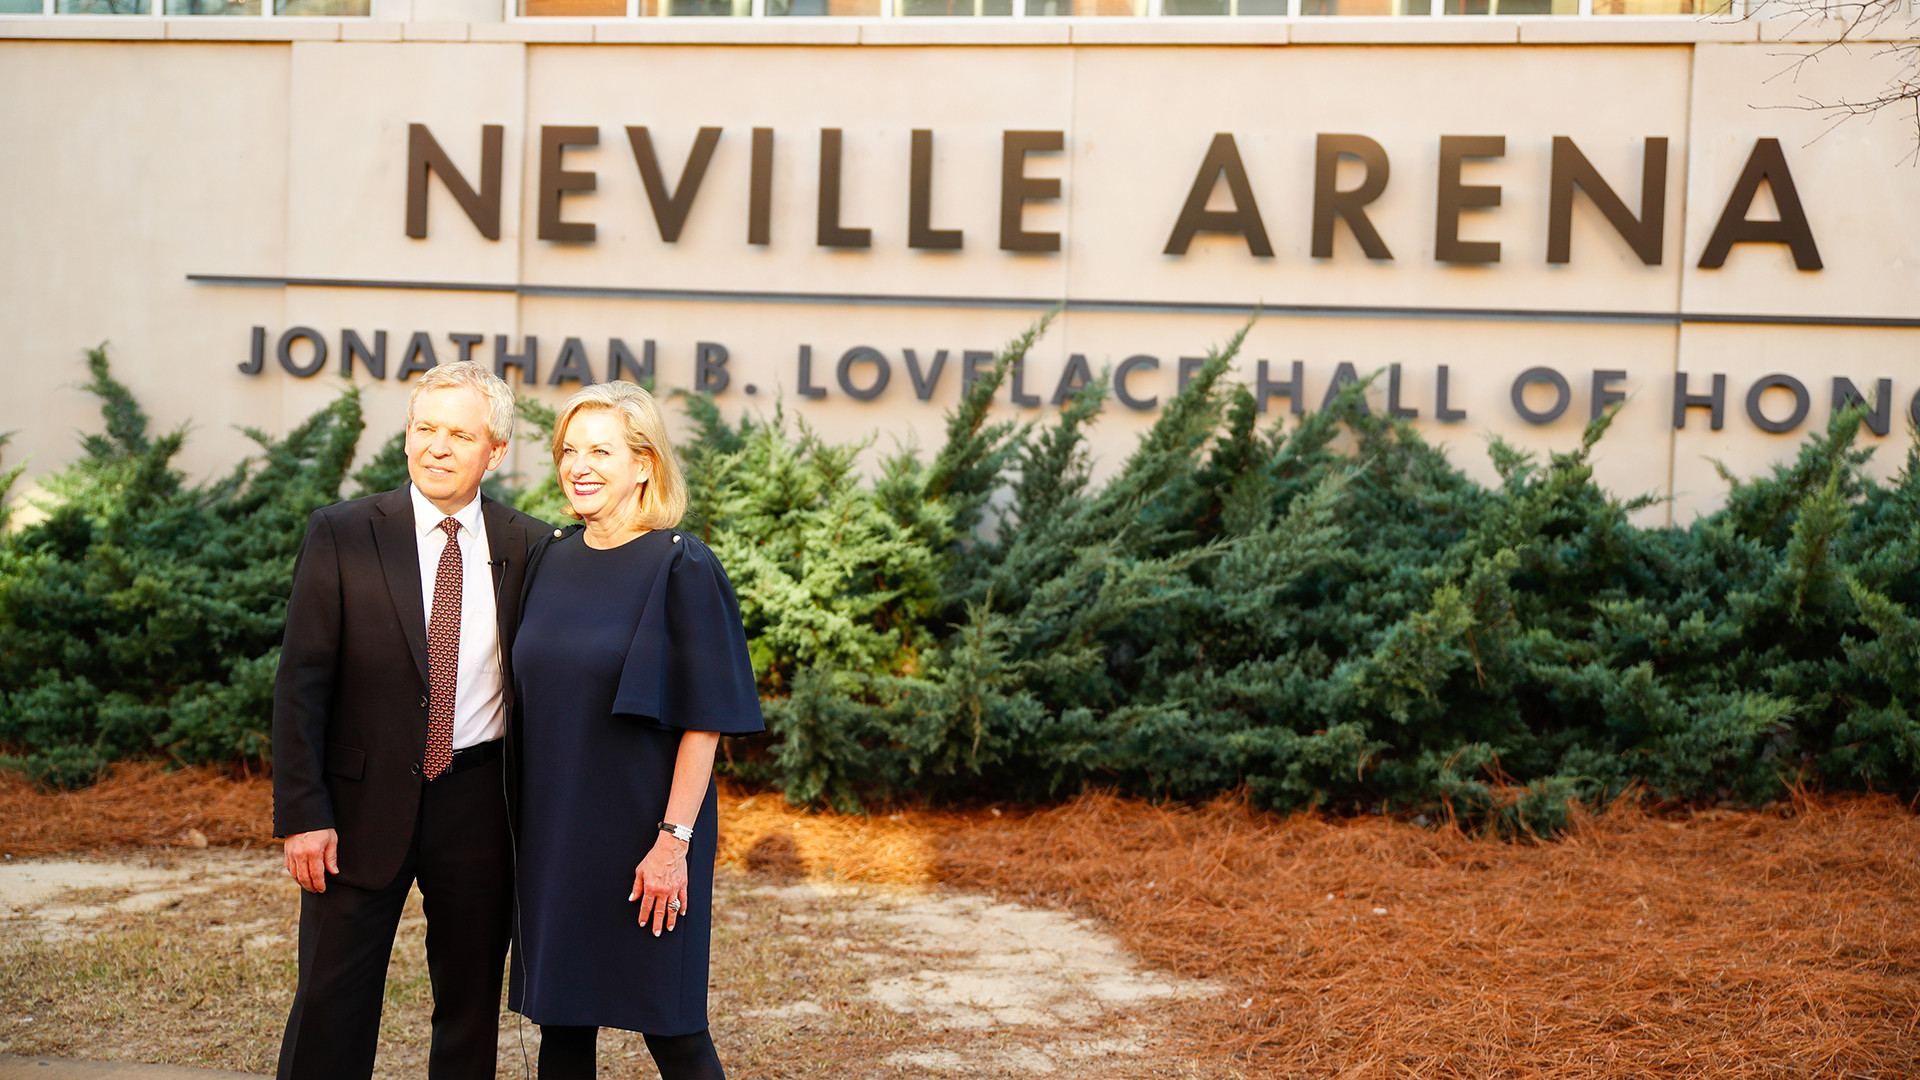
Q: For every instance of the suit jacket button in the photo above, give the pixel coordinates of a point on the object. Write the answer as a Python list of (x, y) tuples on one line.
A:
[(416, 768), (423, 702)]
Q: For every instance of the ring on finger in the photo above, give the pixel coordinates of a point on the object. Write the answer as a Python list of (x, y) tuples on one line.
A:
[(673, 904)]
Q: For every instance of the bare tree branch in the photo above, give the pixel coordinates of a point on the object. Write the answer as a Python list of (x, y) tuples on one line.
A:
[(1860, 20)]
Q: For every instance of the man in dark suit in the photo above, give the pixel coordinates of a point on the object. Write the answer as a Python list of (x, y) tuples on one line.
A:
[(390, 712)]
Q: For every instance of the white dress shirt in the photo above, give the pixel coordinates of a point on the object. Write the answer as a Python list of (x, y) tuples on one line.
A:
[(479, 705)]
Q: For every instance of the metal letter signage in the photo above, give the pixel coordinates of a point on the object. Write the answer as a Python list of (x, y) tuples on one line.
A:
[(424, 156)]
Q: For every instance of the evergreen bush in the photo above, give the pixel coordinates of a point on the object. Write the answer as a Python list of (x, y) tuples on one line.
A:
[(1322, 613), (143, 615)]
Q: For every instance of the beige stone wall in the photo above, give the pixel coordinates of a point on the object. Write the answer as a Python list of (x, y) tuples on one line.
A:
[(131, 165)]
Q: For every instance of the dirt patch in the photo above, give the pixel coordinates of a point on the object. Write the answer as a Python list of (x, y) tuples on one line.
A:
[(25, 887), (885, 982), (1007, 964), (188, 958), (989, 989)]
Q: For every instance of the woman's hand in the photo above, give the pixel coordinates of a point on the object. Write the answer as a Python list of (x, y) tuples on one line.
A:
[(660, 881), (660, 884)]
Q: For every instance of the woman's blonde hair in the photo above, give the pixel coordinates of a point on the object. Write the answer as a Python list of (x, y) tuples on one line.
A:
[(662, 501)]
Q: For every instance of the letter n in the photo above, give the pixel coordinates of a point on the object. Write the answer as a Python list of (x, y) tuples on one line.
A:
[(424, 156), (1644, 234)]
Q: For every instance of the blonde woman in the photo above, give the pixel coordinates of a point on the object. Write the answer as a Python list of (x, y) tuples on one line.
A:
[(630, 664)]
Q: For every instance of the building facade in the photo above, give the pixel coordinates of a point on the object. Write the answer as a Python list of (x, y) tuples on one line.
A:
[(1513, 215)]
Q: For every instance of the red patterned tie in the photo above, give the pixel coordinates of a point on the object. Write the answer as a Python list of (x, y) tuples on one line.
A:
[(443, 653)]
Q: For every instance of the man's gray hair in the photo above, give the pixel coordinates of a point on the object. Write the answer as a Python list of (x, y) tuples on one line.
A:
[(466, 373)]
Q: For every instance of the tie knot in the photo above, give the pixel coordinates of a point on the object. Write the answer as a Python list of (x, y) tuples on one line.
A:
[(452, 527)]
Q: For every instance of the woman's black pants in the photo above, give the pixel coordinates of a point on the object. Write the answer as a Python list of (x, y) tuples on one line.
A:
[(567, 1053)]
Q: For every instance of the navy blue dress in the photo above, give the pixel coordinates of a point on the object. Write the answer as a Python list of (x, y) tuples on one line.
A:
[(619, 651)]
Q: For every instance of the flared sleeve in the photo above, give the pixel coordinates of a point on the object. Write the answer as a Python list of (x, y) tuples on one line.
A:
[(688, 666)]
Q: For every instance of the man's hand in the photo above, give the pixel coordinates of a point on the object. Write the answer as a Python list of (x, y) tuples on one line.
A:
[(311, 856)]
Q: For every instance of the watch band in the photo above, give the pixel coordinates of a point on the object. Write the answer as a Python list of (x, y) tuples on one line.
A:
[(682, 833)]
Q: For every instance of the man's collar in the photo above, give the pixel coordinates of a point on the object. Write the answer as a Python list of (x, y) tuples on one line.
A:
[(427, 517)]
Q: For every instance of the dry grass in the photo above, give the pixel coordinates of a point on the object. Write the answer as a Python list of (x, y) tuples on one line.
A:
[(193, 983), (204, 980), (1721, 944), (207, 979)]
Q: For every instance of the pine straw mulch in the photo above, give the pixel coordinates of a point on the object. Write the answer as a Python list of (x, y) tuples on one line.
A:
[(137, 805), (1781, 943), (1720, 944)]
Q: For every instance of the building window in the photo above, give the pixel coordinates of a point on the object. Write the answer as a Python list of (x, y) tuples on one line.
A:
[(101, 7), (1662, 7), (1512, 7), (603, 9), (1365, 7), (955, 7), (332, 9), (722, 9), (1228, 8), (328, 8), (213, 7), (870, 9), (844, 8), (1084, 8)]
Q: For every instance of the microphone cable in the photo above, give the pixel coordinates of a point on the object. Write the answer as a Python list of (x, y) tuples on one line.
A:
[(506, 796)]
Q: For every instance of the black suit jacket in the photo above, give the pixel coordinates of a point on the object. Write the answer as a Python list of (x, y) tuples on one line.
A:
[(350, 697)]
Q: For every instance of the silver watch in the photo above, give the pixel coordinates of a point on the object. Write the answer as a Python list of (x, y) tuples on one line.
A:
[(681, 833)]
